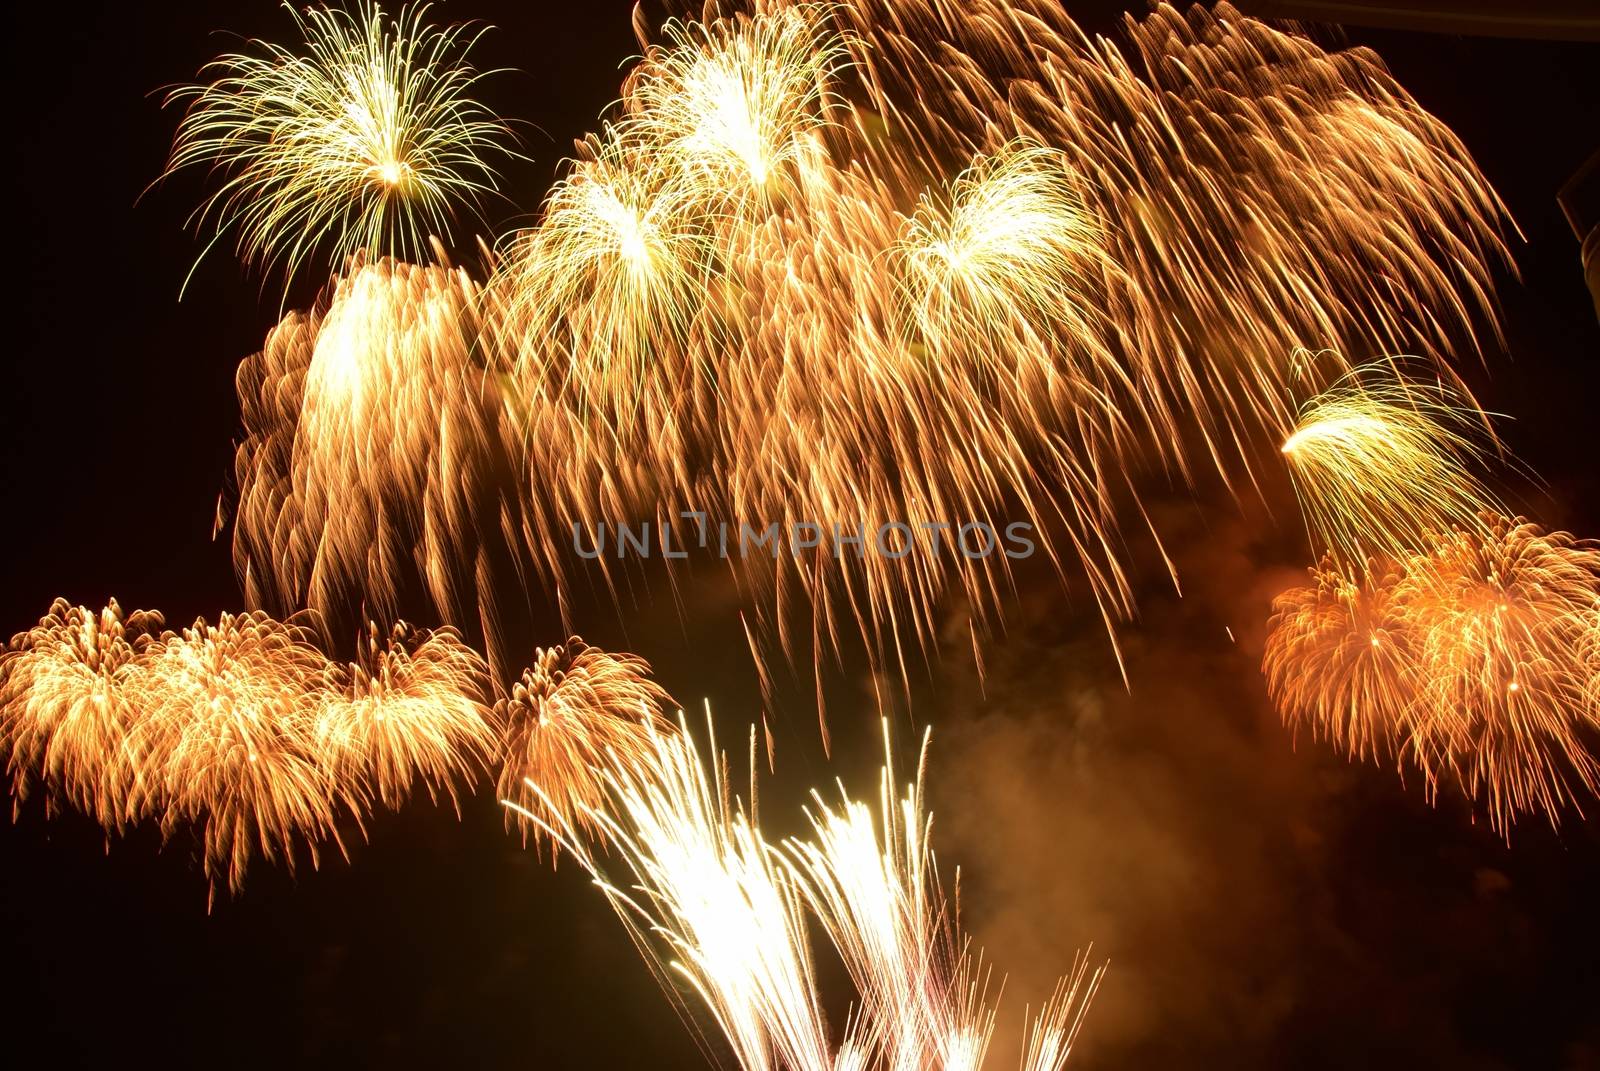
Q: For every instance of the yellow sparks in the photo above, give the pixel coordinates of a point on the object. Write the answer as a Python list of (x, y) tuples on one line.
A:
[(368, 140), (717, 907), (409, 710), (732, 102), (1379, 463)]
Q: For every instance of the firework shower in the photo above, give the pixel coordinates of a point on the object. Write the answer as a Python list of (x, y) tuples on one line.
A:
[(895, 359)]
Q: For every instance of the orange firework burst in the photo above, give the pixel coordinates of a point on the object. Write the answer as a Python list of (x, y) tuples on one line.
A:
[(882, 262), (229, 741), (1474, 661), (577, 712), (1341, 660), (407, 710), (1505, 624), (246, 730), (1261, 193), (891, 261), (64, 712)]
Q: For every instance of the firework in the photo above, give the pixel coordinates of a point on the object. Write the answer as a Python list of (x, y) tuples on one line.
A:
[(230, 742), (871, 430), (1473, 662), (64, 713), (1260, 193), (246, 729), (576, 712), (732, 102), (1011, 261), (409, 709), (1053, 1031), (1341, 660), (603, 292), (846, 265), (869, 876), (1504, 619), (366, 141), (710, 901), (1380, 463), (377, 455), (890, 261)]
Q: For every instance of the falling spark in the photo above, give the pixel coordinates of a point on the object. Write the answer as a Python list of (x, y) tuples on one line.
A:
[(1473, 662), (1012, 260), (601, 296), (863, 263), (904, 260), (714, 905), (247, 731), (1261, 194), (732, 102), (64, 711), (575, 713), (230, 743), (377, 453), (1379, 463), (1504, 616), (1340, 661), (409, 710), (366, 141)]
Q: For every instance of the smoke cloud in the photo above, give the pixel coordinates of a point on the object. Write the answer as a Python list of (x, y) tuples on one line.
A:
[(1262, 902)]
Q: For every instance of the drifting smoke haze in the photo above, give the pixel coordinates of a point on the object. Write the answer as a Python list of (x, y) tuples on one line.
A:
[(1255, 896)]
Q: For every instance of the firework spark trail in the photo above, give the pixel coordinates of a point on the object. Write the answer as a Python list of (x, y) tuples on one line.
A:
[(575, 712), (367, 141), (877, 894), (1341, 661), (378, 454), (672, 305), (881, 423), (605, 290), (1044, 254), (594, 310), (1004, 264), (1505, 620), (711, 902), (248, 731), (228, 742), (886, 260), (618, 330), (409, 709), (869, 876), (733, 104), (65, 708), (897, 434), (1262, 194), (1473, 662), (1379, 463)]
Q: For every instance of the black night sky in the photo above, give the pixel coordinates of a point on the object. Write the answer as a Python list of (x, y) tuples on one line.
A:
[(1262, 904)]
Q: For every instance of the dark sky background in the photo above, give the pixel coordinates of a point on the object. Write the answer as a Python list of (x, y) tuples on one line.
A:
[(1263, 905)]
